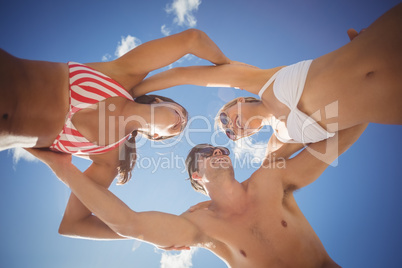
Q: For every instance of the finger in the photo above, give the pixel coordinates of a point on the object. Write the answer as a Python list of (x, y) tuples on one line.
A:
[(192, 209), (352, 33)]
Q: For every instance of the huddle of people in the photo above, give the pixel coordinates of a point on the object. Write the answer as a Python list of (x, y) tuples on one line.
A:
[(97, 110)]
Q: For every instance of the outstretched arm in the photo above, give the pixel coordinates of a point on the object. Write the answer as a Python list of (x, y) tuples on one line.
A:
[(132, 67), (229, 75), (162, 229), (236, 74), (161, 52), (78, 221), (309, 164)]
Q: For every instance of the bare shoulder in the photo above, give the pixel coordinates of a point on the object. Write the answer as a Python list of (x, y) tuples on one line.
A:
[(118, 71), (252, 78), (196, 212), (212, 230), (108, 68), (270, 171), (202, 219), (267, 182)]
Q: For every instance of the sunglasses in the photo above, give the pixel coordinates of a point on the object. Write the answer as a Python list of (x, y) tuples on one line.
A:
[(225, 120), (209, 151)]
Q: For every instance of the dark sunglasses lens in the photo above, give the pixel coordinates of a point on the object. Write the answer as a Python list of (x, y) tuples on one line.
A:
[(224, 150), (206, 152), (224, 118)]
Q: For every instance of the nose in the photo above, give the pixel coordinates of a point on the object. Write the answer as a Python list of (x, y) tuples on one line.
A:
[(217, 152)]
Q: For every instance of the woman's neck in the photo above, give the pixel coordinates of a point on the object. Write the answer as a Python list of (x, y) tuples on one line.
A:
[(261, 111), (137, 116)]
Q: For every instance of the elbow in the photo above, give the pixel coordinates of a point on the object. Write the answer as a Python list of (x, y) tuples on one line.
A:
[(194, 37), (194, 34), (65, 229), (69, 228)]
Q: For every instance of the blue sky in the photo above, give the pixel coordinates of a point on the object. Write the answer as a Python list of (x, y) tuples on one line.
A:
[(355, 207)]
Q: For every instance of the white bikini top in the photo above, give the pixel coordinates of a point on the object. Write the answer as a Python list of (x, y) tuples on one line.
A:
[(288, 88)]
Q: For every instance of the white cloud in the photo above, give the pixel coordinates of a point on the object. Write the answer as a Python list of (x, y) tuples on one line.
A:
[(183, 12), (106, 57), (248, 149), (182, 260), (136, 244), (165, 30), (126, 44), (19, 153)]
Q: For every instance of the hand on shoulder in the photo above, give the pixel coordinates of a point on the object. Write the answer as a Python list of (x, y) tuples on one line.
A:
[(200, 206)]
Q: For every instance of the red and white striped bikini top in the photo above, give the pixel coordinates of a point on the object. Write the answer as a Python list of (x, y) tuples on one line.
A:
[(87, 87)]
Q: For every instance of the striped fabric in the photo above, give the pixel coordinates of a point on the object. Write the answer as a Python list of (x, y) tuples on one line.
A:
[(87, 87)]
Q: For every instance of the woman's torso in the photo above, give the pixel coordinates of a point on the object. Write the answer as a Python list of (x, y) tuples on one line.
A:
[(33, 101), (357, 83), (361, 81), (95, 122)]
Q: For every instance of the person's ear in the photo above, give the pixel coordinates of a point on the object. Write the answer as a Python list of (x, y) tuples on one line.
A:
[(241, 99), (157, 100), (196, 176)]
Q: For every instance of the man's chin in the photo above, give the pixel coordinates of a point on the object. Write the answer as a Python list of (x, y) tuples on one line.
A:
[(222, 166)]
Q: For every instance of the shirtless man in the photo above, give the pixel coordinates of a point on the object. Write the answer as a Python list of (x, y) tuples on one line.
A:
[(256, 223)]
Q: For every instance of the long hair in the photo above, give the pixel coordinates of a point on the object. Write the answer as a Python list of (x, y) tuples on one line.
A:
[(128, 155)]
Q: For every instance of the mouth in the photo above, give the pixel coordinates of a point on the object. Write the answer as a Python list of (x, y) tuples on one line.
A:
[(221, 159)]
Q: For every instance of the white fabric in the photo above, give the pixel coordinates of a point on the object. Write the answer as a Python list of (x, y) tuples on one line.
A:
[(288, 88), (267, 84)]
